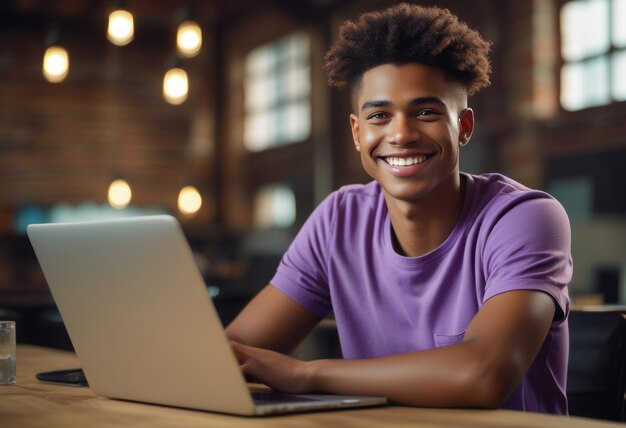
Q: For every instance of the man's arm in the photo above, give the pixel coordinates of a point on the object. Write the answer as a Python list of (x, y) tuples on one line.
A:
[(272, 321), (498, 348)]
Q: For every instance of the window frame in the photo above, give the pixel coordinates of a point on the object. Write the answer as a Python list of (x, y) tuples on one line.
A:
[(282, 62), (608, 55)]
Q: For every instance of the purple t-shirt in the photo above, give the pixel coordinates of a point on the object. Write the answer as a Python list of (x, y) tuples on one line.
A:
[(508, 237)]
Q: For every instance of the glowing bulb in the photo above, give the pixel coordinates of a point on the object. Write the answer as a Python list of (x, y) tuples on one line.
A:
[(121, 27), (189, 39), (175, 86), (189, 200), (56, 63), (119, 194)]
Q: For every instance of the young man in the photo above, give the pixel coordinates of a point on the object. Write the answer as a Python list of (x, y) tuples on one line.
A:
[(448, 289)]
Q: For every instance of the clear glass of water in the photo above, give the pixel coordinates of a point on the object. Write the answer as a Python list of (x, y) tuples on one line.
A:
[(7, 352)]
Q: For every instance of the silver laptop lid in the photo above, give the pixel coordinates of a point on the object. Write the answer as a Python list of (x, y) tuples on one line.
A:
[(138, 313)]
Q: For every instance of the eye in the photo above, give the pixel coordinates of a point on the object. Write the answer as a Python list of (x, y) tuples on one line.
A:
[(428, 114), (377, 116)]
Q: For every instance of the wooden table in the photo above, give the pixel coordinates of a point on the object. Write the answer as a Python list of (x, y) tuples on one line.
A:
[(31, 403)]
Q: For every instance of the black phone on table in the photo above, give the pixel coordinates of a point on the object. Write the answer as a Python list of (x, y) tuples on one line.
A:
[(71, 377)]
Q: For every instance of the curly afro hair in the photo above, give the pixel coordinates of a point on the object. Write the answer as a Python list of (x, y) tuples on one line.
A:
[(408, 33)]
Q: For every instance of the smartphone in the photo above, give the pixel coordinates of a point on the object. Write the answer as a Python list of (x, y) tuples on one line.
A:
[(71, 377)]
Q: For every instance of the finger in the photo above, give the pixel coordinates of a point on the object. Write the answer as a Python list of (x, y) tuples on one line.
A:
[(240, 353), (249, 372)]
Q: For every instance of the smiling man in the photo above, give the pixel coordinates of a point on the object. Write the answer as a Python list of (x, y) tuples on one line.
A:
[(449, 289)]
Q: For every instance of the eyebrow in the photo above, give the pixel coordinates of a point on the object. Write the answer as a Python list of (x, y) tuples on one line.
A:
[(413, 102)]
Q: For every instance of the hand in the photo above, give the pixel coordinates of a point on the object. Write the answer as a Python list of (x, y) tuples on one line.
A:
[(276, 370)]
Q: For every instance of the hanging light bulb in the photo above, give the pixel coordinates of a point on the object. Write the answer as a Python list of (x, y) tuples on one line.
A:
[(189, 39), (189, 200), (56, 64), (121, 29), (119, 194), (175, 86)]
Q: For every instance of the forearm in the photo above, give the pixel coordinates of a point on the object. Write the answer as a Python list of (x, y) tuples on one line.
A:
[(454, 376), (272, 321)]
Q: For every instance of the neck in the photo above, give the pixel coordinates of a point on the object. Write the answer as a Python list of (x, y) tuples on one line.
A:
[(420, 226)]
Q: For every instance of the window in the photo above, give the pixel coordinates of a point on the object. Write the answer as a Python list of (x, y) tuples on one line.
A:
[(274, 206), (276, 93), (575, 194), (593, 47), (590, 185)]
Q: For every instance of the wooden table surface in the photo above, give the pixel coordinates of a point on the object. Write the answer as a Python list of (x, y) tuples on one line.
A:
[(30, 403)]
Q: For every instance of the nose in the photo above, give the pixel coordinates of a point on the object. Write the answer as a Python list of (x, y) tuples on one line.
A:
[(402, 131)]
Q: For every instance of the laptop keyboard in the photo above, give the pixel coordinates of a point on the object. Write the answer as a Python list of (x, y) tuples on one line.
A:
[(272, 397)]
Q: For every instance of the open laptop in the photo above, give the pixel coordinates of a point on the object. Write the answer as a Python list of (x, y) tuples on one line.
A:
[(142, 323)]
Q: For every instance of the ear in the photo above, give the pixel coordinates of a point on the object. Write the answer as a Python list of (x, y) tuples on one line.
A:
[(466, 126), (354, 124)]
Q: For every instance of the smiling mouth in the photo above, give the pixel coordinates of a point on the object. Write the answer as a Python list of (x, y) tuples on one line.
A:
[(404, 161)]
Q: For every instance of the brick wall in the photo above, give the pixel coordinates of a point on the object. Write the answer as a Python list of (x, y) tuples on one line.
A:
[(65, 142)]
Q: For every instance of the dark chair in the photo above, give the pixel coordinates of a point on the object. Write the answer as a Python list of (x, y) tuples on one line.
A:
[(596, 380)]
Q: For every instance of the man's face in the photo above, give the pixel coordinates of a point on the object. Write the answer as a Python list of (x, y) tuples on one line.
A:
[(409, 123)]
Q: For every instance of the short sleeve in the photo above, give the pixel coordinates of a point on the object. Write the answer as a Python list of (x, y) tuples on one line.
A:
[(529, 248), (302, 273)]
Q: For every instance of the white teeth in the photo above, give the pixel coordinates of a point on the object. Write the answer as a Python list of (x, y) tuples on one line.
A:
[(407, 161)]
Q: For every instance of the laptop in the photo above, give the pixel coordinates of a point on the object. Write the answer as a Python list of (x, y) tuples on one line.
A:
[(142, 322)]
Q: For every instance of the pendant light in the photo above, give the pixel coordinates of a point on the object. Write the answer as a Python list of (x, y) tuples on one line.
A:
[(56, 59), (189, 39), (175, 86), (189, 200), (121, 27), (56, 64), (119, 194)]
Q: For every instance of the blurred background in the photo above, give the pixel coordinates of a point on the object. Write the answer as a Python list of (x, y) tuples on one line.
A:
[(218, 112)]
